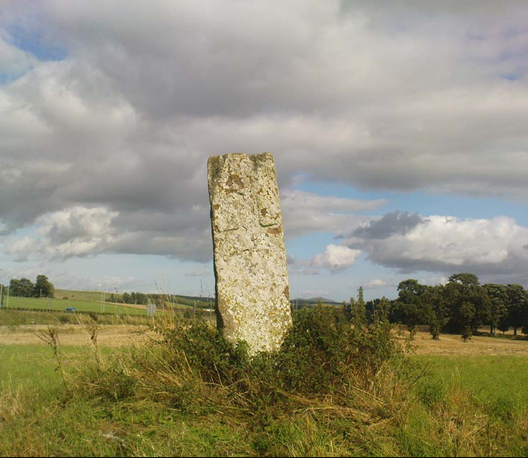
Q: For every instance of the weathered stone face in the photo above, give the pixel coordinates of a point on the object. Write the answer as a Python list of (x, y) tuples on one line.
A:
[(252, 292)]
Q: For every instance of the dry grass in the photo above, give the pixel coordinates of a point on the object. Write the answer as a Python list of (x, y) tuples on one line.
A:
[(452, 345), (77, 335), (126, 335)]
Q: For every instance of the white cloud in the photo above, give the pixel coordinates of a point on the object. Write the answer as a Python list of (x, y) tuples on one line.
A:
[(432, 281), (20, 249), (76, 231), (448, 244), (13, 61), (335, 257), (377, 283)]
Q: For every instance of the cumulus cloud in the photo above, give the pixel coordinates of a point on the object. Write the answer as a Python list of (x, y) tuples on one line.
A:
[(448, 244), (377, 283), (390, 224), (21, 248), (341, 91), (335, 257), (81, 231)]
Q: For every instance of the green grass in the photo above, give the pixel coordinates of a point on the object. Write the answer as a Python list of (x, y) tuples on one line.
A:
[(33, 365), (80, 305), (89, 296), (498, 383), (136, 402), (18, 317), (95, 296)]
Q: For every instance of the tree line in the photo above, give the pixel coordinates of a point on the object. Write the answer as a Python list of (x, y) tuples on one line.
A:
[(461, 306), (24, 287), (130, 298)]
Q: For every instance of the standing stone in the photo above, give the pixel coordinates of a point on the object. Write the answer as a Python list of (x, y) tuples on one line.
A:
[(252, 292)]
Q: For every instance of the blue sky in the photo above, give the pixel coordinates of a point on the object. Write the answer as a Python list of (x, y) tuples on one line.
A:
[(398, 132)]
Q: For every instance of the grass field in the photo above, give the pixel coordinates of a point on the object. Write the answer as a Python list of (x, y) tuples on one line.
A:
[(89, 296), (32, 366), (80, 305), (95, 296), (498, 382), (466, 404)]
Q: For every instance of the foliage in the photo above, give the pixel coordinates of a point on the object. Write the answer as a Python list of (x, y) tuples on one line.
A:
[(460, 306), (43, 287), (21, 288)]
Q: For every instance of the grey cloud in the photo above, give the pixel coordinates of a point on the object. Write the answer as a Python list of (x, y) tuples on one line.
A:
[(336, 91), (306, 212), (390, 224)]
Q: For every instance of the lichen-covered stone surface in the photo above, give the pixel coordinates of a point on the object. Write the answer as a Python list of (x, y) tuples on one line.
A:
[(252, 292)]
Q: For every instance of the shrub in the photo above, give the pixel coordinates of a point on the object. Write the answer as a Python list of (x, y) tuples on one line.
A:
[(64, 319), (323, 359)]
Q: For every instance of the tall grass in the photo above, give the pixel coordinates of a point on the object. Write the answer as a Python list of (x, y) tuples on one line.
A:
[(334, 389), (330, 388)]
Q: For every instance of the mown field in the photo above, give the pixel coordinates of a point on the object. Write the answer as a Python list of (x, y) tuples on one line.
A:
[(470, 403), (80, 305)]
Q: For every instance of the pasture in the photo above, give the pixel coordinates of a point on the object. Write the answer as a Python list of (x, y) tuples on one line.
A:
[(80, 305), (464, 399)]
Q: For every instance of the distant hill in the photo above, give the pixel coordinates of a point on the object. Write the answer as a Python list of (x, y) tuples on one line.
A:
[(310, 302), (322, 299)]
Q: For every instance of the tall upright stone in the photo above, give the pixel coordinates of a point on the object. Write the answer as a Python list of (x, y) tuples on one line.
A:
[(252, 291)]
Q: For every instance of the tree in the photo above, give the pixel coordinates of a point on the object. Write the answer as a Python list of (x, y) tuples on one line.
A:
[(464, 279), (434, 310), (498, 296), (382, 310), (468, 304), (43, 287), (21, 288), (410, 302), (348, 308), (466, 317), (359, 310), (517, 305)]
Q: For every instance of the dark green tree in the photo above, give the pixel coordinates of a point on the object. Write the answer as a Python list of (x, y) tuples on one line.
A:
[(21, 288), (498, 296), (348, 308), (434, 310), (43, 287), (382, 311), (468, 304), (517, 305), (359, 309), (410, 302)]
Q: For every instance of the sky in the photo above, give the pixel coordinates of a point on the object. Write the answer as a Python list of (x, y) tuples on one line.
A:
[(399, 131)]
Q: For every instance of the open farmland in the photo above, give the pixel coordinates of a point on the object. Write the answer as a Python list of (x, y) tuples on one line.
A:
[(47, 408), (451, 345), (80, 305)]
